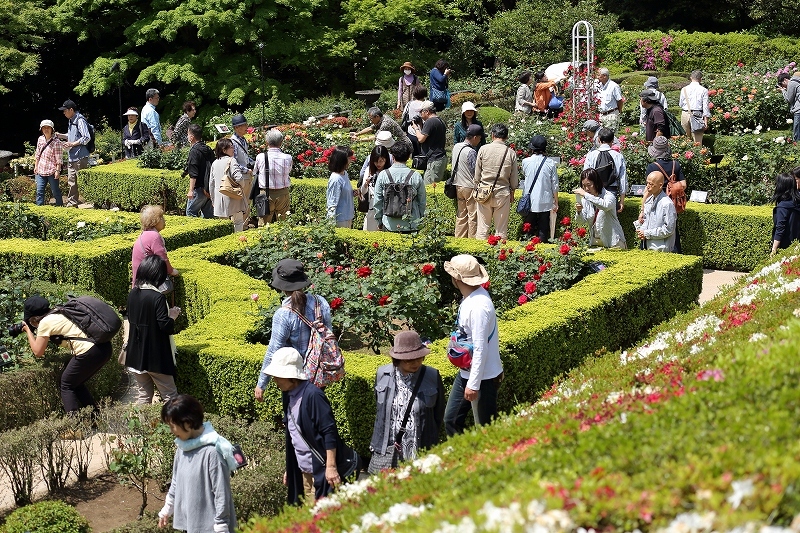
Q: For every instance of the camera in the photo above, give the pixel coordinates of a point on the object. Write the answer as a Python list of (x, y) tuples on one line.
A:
[(14, 330), (417, 120)]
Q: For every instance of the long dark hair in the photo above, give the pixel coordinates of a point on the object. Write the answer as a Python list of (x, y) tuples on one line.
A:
[(377, 153), (785, 188), (297, 301)]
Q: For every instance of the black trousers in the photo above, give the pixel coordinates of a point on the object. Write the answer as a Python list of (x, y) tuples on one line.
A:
[(540, 225), (74, 393)]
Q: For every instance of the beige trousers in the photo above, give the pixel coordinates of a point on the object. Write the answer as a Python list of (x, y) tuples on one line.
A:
[(164, 383), (72, 180), (466, 213), (686, 122), (497, 208), (278, 206)]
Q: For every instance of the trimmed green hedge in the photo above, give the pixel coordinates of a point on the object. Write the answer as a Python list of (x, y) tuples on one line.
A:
[(702, 227), (130, 187), (709, 52), (539, 340), (95, 265)]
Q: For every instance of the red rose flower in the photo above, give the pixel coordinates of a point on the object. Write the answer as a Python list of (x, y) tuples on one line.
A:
[(526, 227), (338, 268), (537, 277), (522, 299), (493, 240), (564, 250), (329, 270), (530, 247), (502, 257), (543, 268), (486, 285), (375, 245), (364, 272), (383, 300), (427, 269), (530, 287), (535, 241), (581, 232), (565, 221), (521, 275), (336, 303), (567, 235), (370, 296)]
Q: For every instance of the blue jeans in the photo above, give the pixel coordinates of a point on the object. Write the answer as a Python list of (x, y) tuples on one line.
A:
[(796, 127), (483, 409), (200, 204), (41, 185)]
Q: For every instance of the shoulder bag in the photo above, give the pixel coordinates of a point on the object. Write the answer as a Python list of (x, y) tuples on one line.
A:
[(390, 459), (261, 199), (676, 189), (228, 186), (483, 193), (524, 204), (449, 187), (347, 460)]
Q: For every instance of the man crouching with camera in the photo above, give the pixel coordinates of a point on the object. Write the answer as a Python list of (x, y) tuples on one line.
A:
[(87, 357)]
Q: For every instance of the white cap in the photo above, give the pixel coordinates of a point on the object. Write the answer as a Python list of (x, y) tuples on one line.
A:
[(130, 112), (468, 106), (384, 138), (47, 123)]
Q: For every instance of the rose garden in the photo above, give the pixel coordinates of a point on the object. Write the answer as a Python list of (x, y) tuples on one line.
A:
[(627, 405)]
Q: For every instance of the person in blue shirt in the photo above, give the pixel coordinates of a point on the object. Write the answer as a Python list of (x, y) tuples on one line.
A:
[(150, 115), (77, 138), (339, 197)]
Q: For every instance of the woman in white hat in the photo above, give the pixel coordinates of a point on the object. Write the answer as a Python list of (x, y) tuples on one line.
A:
[(312, 439), (47, 168), (405, 384), (135, 134), (469, 116)]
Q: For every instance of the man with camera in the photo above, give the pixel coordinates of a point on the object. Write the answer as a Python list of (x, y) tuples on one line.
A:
[(87, 359), (790, 87), (431, 134)]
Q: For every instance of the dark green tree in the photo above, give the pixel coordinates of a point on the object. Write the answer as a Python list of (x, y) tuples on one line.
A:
[(20, 39)]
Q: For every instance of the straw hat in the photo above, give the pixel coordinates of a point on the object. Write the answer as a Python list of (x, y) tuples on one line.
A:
[(406, 65), (408, 345), (286, 363), (466, 268)]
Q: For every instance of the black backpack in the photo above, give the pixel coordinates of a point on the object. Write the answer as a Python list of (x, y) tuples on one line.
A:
[(397, 196), (94, 317), (604, 165), (91, 145)]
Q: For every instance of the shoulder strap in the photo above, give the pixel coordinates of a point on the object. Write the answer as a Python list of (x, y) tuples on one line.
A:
[(53, 138), (314, 451), (408, 176), (455, 165), (398, 438), (536, 177), (664, 172), (235, 139), (389, 175), (500, 168)]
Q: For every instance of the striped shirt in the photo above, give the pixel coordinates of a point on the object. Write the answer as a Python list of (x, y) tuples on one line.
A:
[(48, 161), (280, 165)]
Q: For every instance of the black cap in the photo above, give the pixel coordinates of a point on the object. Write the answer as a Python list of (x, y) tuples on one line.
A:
[(68, 104), (649, 95), (289, 275), (475, 130), (538, 143), (36, 305)]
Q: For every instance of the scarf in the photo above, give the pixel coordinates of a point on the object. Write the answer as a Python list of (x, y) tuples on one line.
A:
[(210, 436)]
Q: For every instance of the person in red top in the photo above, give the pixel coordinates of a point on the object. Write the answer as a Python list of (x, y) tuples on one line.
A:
[(49, 155), (150, 242)]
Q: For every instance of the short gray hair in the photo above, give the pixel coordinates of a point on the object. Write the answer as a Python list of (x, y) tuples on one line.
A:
[(696, 75), (274, 137), (603, 72), (427, 105), (375, 112), (151, 93)]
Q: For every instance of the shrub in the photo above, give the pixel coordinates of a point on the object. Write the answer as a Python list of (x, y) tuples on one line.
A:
[(493, 115), (147, 524), (108, 142), (19, 461), (47, 517), (168, 158), (17, 221)]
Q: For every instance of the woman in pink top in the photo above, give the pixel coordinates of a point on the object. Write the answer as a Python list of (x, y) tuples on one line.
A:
[(150, 242)]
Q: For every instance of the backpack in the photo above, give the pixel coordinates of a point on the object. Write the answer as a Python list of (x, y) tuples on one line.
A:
[(397, 196), (324, 362), (91, 145), (675, 128), (604, 165), (94, 317), (676, 190)]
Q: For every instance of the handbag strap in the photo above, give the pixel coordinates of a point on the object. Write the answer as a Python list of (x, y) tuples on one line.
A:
[(53, 138), (500, 168), (313, 450), (536, 177), (398, 438)]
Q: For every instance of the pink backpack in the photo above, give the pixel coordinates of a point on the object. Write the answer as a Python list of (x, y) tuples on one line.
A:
[(324, 362)]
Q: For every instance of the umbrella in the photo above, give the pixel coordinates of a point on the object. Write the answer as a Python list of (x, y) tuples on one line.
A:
[(556, 71)]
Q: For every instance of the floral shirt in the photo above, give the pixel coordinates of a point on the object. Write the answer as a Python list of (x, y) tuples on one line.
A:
[(404, 388), (48, 160)]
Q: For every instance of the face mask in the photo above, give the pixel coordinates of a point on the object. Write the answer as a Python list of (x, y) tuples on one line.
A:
[(407, 72)]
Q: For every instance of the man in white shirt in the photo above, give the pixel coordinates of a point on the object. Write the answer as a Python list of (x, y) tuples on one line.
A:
[(694, 108), (657, 220), (151, 117), (275, 166), (475, 387), (610, 100)]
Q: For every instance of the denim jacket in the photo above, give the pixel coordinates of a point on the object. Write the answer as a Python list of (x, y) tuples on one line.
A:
[(428, 408)]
